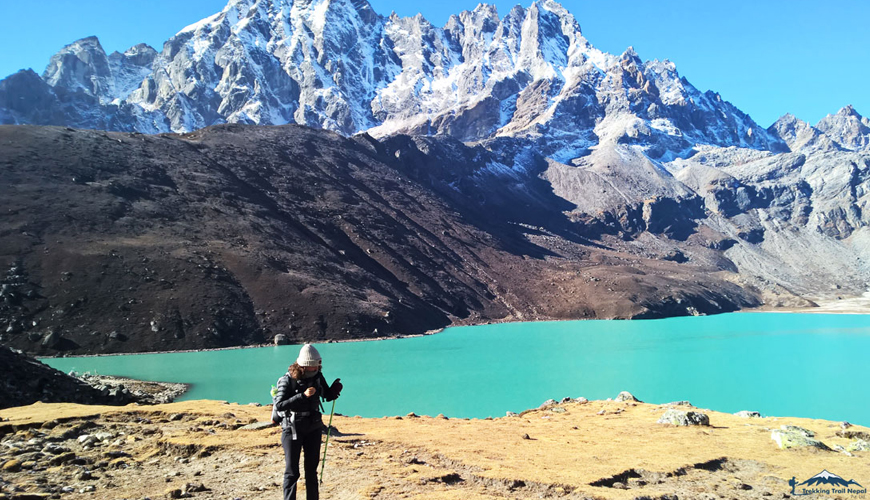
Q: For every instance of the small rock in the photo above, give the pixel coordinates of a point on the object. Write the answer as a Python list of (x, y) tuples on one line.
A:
[(411, 415), (104, 436), (88, 489), (681, 418), (565, 400), (54, 449), (680, 403), (441, 416), (601, 412), (86, 439), (255, 426), (512, 414), (581, 400), (845, 425), (748, 414), (626, 396), (281, 339), (547, 403), (62, 458), (175, 493), (176, 417), (189, 488), (526, 436), (515, 484)]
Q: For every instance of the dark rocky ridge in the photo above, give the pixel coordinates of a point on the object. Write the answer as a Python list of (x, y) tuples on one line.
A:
[(26, 381), (117, 242)]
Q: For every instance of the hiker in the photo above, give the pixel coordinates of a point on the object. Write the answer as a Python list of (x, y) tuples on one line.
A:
[(298, 398)]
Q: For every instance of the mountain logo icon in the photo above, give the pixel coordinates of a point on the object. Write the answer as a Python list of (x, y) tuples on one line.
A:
[(822, 479)]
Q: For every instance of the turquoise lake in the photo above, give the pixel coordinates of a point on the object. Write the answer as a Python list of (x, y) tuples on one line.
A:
[(803, 365)]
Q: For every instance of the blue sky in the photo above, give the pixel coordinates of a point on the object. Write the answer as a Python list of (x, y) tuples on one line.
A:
[(809, 58)]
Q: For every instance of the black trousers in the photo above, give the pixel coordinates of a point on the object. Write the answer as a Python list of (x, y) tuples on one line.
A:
[(310, 442)]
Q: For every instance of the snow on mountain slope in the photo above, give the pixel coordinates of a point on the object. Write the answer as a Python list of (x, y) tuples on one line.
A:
[(338, 65)]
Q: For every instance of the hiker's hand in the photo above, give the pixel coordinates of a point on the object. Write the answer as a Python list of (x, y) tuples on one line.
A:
[(336, 387), (310, 392)]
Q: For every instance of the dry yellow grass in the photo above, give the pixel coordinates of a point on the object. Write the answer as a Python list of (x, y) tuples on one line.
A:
[(565, 452)]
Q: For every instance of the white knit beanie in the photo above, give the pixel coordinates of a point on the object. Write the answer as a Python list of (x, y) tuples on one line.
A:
[(308, 356)]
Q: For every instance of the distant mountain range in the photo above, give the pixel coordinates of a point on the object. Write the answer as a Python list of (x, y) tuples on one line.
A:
[(338, 65), (506, 114)]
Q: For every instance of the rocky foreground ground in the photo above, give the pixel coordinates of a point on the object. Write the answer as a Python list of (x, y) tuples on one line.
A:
[(575, 449)]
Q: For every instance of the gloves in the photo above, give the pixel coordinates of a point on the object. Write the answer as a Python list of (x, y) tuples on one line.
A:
[(336, 387)]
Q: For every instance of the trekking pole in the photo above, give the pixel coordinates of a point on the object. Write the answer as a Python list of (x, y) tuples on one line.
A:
[(326, 446)]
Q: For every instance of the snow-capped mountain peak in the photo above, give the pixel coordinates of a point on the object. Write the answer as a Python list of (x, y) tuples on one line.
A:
[(336, 64), (800, 135), (848, 128)]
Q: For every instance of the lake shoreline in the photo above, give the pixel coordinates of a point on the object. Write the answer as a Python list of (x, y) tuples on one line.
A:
[(851, 305)]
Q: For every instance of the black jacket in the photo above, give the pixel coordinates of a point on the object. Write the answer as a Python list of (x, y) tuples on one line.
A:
[(290, 398)]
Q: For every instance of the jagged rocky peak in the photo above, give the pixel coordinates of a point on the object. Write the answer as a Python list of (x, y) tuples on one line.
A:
[(800, 135), (848, 128), (549, 34), (465, 30), (81, 65), (140, 54)]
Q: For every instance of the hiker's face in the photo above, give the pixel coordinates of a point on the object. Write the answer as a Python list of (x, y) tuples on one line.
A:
[(310, 369)]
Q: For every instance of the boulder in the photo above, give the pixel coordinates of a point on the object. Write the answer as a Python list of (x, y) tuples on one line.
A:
[(680, 417), (117, 336), (748, 414), (792, 438), (281, 339), (627, 396), (51, 340), (859, 445), (854, 434), (800, 430)]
